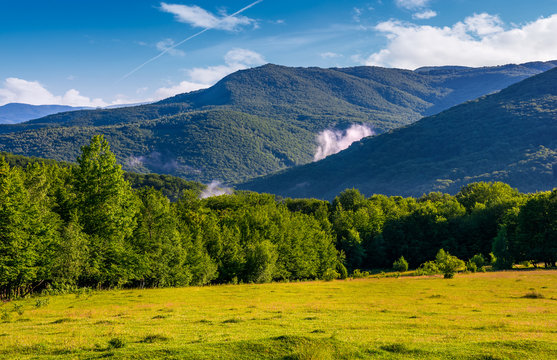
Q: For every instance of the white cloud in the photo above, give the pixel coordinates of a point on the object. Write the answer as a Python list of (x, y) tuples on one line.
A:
[(479, 40), (424, 15), (411, 4), (483, 24), (34, 93), (330, 55), (198, 17), (72, 97), (243, 57), (200, 78), (183, 87), (168, 46)]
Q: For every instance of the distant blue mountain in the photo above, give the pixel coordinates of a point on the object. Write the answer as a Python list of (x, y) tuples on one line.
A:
[(14, 113)]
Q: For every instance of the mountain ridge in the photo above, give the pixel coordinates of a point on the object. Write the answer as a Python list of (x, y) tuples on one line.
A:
[(256, 121), (508, 136)]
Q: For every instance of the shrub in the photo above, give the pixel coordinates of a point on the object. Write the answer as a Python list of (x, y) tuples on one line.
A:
[(448, 265), (471, 266), (341, 269), (330, 275), (400, 265), (357, 274), (492, 258), (428, 268), (5, 315), (478, 260), (41, 302), (18, 308)]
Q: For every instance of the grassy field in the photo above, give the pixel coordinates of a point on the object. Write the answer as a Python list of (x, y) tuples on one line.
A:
[(499, 315)]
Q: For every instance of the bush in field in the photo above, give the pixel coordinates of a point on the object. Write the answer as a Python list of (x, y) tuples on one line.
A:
[(476, 263), (5, 315), (330, 275), (341, 269), (400, 265), (479, 260), (448, 265), (428, 268), (358, 274), (471, 266)]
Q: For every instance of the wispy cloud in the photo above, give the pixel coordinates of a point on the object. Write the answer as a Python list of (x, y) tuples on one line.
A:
[(182, 87), (200, 78), (412, 4), (424, 15), (478, 40), (330, 55), (224, 19), (167, 45), (356, 14), (215, 188), (34, 93), (201, 18), (330, 142)]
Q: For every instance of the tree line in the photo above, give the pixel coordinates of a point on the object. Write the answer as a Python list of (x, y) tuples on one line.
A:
[(67, 226)]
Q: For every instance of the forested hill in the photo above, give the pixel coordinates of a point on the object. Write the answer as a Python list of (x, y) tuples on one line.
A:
[(258, 121), (509, 136)]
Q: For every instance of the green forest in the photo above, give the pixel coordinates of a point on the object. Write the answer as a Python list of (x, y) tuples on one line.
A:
[(68, 226)]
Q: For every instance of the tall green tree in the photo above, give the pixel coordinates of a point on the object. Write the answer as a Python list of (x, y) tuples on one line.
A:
[(106, 209)]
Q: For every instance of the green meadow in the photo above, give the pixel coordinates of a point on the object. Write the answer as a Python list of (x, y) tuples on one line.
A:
[(494, 315)]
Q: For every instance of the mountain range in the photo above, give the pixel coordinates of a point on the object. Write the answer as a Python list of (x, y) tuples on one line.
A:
[(14, 113), (257, 121), (509, 136)]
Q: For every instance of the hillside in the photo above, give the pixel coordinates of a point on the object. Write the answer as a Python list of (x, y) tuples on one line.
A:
[(509, 136), (14, 113), (258, 121)]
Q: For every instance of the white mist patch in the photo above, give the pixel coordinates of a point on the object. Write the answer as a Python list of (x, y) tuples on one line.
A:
[(134, 161), (215, 189), (330, 142)]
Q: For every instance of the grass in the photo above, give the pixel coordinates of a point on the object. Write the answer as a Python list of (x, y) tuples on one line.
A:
[(476, 316)]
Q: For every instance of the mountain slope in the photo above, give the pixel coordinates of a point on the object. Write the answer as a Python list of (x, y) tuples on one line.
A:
[(509, 136), (257, 121), (14, 113)]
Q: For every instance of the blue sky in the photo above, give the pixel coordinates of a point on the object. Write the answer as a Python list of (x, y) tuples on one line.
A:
[(86, 52)]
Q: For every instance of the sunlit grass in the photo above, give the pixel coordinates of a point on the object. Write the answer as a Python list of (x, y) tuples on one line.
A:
[(479, 316)]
